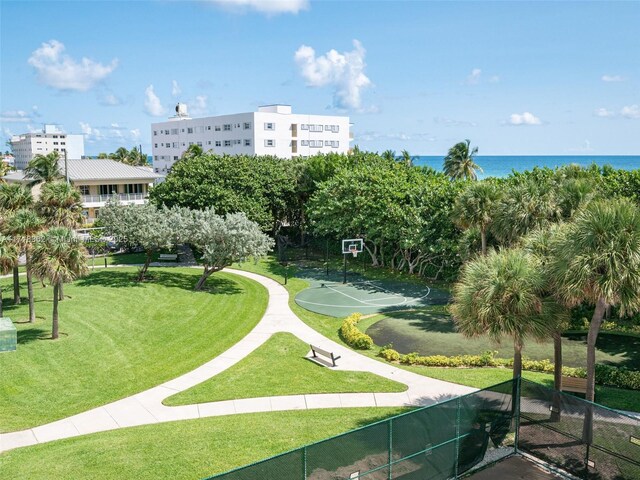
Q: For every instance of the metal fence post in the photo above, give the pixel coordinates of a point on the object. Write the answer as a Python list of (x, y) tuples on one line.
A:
[(390, 447), (517, 412), (304, 463), (457, 438)]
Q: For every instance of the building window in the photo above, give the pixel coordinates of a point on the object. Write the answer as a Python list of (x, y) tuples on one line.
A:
[(218, 143), (247, 142), (108, 189), (190, 130), (269, 126), (133, 188), (209, 142), (174, 131), (269, 143), (200, 129), (208, 127), (227, 143), (175, 144), (217, 128), (190, 143), (226, 127), (175, 158), (155, 145), (304, 143), (247, 125), (84, 189), (304, 126), (199, 144), (315, 128)]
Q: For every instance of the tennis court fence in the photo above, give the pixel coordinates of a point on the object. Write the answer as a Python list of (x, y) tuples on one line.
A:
[(449, 440)]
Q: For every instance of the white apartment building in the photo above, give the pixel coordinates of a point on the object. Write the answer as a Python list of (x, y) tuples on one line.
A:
[(272, 130), (50, 139)]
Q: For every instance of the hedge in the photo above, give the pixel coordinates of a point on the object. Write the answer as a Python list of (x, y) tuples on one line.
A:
[(352, 335), (619, 377)]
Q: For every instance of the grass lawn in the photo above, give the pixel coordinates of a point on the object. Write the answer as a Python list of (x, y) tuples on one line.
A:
[(118, 337), (473, 377), (183, 450), (279, 368)]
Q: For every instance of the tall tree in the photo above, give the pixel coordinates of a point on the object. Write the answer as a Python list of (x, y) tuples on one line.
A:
[(13, 197), (8, 259), (23, 225), (44, 168), (143, 226), (60, 205), (475, 207), (460, 164), (59, 257), (502, 295), (192, 151), (596, 260), (225, 240)]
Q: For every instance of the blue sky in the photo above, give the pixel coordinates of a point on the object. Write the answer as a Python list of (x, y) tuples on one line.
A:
[(514, 77)]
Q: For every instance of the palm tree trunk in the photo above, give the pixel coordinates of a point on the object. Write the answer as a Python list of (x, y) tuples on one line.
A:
[(54, 317), (483, 240), (0, 301), (557, 361), (32, 307), (594, 329), (61, 291), (16, 286), (517, 358)]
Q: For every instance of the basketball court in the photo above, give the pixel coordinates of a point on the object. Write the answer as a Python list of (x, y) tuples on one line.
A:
[(341, 295)]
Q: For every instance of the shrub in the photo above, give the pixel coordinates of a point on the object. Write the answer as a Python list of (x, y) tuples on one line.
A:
[(352, 335), (608, 375)]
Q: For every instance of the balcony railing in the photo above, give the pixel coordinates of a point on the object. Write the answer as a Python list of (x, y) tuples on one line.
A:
[(123, 197)]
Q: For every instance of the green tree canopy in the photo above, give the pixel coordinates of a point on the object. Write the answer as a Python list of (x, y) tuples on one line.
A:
[(44, 168), (460, 163)]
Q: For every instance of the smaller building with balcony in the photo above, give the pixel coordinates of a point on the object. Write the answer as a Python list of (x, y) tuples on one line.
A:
[(101, 180)]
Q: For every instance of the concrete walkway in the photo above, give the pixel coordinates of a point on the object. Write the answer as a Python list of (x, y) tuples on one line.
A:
[(146, 407)]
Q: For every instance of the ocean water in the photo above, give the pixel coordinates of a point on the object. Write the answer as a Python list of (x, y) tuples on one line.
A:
[(501, 166)]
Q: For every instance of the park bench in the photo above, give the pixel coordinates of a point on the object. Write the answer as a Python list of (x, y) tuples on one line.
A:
[(319, 351), (575, 385), (169, 257)]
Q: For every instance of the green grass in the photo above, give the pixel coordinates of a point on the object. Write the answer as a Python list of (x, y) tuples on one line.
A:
[(473, 377), (279, 368), (118, 337), (183, 450)]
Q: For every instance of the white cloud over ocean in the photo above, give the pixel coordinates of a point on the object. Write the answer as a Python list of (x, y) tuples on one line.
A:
[(344, 72), (57, 69), (152, 104)]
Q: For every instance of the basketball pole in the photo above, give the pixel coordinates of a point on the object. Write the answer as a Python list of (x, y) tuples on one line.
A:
[(345, 268)]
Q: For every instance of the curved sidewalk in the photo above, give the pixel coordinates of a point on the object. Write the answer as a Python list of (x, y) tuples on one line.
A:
[(146, 407)]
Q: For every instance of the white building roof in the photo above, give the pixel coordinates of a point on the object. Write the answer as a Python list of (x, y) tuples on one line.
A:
[(98, 170)]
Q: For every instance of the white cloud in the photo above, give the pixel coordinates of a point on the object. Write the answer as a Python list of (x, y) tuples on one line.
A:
[(110, 100), (525, 118), (344, 72), (91, 134), (612, 78), (604, 113), (474, 77), (630, 111), (19, 116), (450, 122), (175, 88), (135, 133), (58, 70), (199, 105), (268, 7), (152, 103)]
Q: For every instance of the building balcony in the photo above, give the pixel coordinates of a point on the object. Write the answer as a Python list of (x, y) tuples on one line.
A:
[(101, 200)]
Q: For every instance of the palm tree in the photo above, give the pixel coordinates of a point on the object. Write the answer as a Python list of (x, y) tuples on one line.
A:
[(459, 163), (13, 197), (120, 155), (8, 259), (407, 158), (44, 168), (596, 260), (58, 257), (192, 151), (60, 205), (475, 207), (389, 155), (524, 208), (23, 225), (502, 295)]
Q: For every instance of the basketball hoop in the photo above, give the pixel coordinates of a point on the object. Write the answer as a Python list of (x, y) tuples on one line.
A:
[(353, 249)]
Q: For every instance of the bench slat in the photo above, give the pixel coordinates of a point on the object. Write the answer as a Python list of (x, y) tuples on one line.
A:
[(324, 353)]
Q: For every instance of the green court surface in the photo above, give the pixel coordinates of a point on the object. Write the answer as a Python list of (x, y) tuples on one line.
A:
[(327, 295)]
